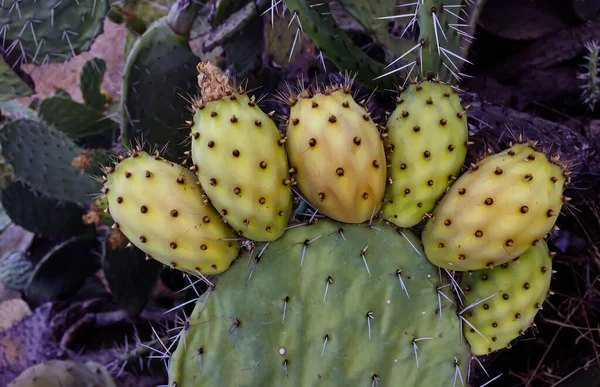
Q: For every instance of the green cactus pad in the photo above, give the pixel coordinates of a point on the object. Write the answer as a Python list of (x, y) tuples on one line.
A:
[(328, 305), (90, 82), (505, 299), (336, 44), (42, 156), (159, 79), (50, 30), (12, 84), (426, 146), (64, 373), (39, 213), (74, 119)]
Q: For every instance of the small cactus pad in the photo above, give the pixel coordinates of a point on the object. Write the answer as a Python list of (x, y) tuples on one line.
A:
[(50, 30), (426, 147), (505, 299), (159, 207), (241, 162), (328, 304), (64, 373), (337, 155), (493, 213), (13, 84)]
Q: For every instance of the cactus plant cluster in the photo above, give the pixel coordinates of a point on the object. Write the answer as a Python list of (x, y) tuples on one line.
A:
[(298, 228), (349, 294)]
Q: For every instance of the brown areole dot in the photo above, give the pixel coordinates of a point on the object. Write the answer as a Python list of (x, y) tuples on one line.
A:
[(119, 200), (462, 191), (127, 175), (404, 113), (233, 119), (484, 277), (148, 174), (478, 233), (196, 135), (263, 164), (440, 245), (268, 229), (332, 119), (314, 104), (357, 140), (143, 209), (430, 183), (447, 222), (173, 245), (407, 191), (213, 114), (365, 195), (295, 121), (443, 122), (174, 213), (451, 147), (237, 190), (509, 242), (528, 177), (403, 166), (262, 200), (143, 239), (524, 209), (511, 152), (419, 204), (375, 164), (505, 296), (486, 306), (211, 144), (427, 154), (495, 324), (321, 196), (339, 172), (498, 171), (553, 179), (312, 142), (257, 123), (235, 153), (280, 213), (213, 182), (203, 247), (416, 128), (346, 104), (489, 201), (462, 257), (531, 157), (526, 285), (224, 212), (206, 219), (550, 213), (180, 180)]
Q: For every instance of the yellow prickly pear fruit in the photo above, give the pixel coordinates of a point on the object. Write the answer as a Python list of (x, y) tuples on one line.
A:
[(426, 147), (501, 303), (240, 159), (503, 205), (158, 205), (336, 152)]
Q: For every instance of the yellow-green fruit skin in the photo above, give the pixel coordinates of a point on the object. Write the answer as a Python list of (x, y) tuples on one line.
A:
[(243, 167), (158, 205), (337, 153), (506, 299), (426, 147), (493, 213)]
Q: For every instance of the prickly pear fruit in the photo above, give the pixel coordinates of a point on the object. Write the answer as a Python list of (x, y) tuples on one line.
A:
[(493, 213), (240, 160), (505, 299), (159, 207), (351, 305), (426, 146), (64, 373), (337, 154)]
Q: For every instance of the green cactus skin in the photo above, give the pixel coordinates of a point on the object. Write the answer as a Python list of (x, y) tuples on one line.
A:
[(242, 165), (90, 82), (426, 146), (41, 157), (64, 373), (337, 154), (15, 271), (325, 304), (493, 213), (439, 36), (154, 92), (336, 44), (505, 299), (62, 28), (158, 205), (12, 84)]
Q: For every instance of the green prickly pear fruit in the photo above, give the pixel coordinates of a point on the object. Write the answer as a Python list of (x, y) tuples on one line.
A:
[(502, 302), (158, 205), (327, 304), (493, 213), (337, 154), (239, 157), (64, 373), (426, 146)]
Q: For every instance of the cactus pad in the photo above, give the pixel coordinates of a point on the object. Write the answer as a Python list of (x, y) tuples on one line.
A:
[(42, 156), (50, 30), (159, 207), (241, 163), (493, 213), (426, 146), (505, 299), (337, 155), (327, 304), (12, 84)]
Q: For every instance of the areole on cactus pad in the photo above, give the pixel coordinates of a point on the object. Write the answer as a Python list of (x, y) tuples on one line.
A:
[(327, 304)]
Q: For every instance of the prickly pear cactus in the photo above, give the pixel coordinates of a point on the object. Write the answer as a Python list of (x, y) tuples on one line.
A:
[(426, 146), (240, 159), (505, 300), (64, 373), (158, 205), (50, 30), (337, 155), (12, 83), (329, 304), (493, 213)]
